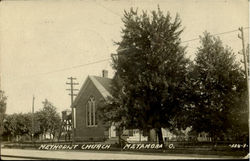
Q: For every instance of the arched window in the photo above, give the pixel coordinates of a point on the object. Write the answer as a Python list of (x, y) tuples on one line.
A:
[(91, 112)]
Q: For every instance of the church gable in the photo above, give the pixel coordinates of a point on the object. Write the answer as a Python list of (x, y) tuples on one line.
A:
[(89, 90), (86, 103), (96, 85)]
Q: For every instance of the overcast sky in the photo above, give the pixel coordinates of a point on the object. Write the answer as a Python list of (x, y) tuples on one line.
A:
[(41, 40)]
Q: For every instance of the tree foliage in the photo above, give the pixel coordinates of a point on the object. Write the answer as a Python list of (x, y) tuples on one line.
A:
[(47, 120), (17, 125), (110, 110), (218, 88)]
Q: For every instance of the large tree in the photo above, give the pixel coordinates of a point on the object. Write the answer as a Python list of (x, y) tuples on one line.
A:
[(150, 71), (219, 89)]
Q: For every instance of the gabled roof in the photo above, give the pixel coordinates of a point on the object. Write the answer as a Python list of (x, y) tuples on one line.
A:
[(103, 85)]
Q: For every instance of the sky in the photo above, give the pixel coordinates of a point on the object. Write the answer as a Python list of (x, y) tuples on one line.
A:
[(43, 42)]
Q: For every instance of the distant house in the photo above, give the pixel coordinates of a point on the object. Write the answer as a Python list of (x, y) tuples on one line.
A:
[(203, 136)]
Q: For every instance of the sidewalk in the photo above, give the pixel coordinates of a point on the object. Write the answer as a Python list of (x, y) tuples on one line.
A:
[(97, 155)]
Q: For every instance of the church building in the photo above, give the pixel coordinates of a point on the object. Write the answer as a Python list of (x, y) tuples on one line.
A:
[(88, 127)]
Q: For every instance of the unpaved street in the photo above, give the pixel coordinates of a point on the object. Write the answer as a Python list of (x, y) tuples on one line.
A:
[(97, 155)]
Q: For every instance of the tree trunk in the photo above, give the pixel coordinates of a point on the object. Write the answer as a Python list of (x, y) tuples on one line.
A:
[(59, 135), (119, 135), (139, 136), (0, 144), (119, 139), (159, 134), (148, 134)]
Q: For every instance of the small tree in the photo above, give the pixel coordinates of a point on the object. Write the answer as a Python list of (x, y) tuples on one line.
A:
[(49, 119)]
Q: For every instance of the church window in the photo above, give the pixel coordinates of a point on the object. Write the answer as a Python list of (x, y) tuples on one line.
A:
[(91, 112)]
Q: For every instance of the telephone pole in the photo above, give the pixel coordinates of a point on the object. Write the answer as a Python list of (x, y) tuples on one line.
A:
[(241, 36), (33, 103), (72, 94)]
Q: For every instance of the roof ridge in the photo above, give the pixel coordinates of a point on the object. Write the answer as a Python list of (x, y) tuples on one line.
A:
[(100, 77), (104, 92)]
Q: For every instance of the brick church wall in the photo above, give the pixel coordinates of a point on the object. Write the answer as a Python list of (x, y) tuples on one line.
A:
[(83, 132)]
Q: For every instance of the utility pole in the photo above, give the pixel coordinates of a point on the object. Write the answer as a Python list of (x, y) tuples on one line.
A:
[(33, 103), (241, 36), (72, 94)]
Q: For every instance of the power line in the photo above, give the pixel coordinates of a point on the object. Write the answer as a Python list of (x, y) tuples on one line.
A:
[(194, 39), (212, 35), (76, 66), (99, 61), (115, 13), (222, 33)]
